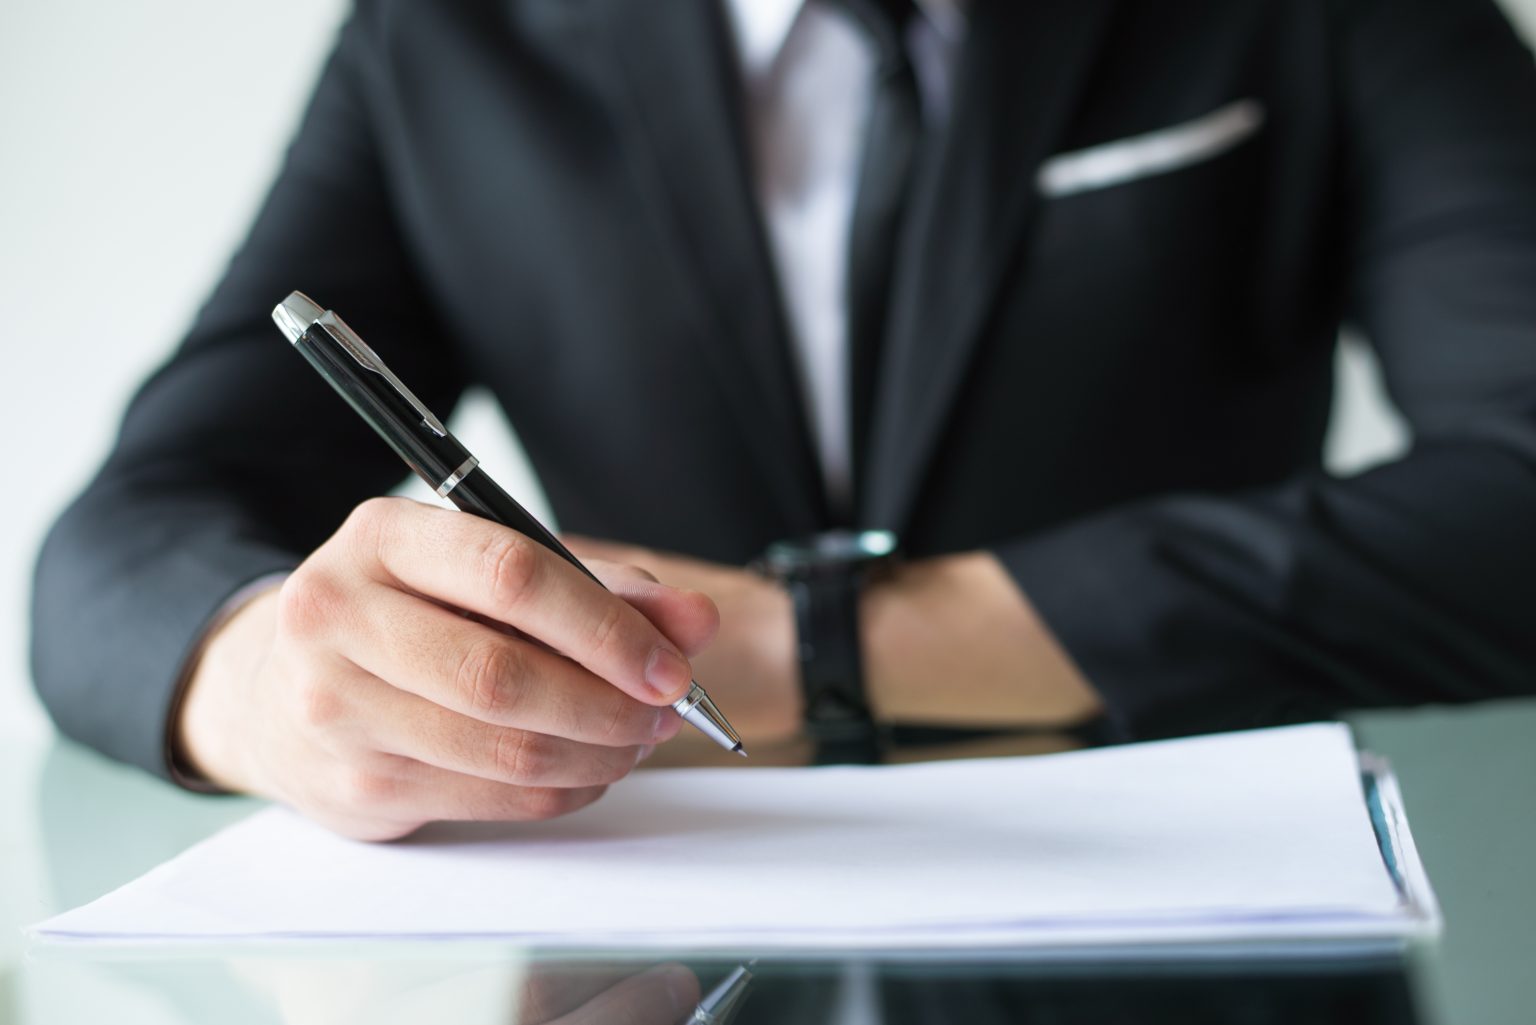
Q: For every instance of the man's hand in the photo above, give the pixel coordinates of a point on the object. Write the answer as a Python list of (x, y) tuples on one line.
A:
[(947, 641), (425, 664)]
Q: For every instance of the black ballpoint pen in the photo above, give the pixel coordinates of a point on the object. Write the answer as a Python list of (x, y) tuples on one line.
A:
[(438, 458)]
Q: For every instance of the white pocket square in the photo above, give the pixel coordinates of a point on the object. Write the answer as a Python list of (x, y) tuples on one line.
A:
[(1141, 156)]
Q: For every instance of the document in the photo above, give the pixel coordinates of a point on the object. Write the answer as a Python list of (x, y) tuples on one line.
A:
[(1262, 835)]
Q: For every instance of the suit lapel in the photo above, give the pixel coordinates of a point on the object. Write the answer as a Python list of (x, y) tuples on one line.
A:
[(679, 81), (1017, 81)]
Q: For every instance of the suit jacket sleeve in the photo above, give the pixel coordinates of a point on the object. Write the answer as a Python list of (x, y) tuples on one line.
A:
[(235, 459), (1415, 582)]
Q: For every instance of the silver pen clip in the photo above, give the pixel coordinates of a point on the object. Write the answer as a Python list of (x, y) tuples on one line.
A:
[(298, 313)]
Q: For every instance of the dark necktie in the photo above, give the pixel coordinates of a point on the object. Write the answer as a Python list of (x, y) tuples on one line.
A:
[(890, 151)]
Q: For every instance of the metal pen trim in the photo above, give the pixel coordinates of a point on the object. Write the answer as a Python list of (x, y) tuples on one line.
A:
[(720, 1005), (298, 313), (369, 360), (698, 710), (295, 315), (457, 476)]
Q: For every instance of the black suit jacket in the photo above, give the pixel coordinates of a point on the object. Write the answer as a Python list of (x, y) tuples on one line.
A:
[(1122, 392)]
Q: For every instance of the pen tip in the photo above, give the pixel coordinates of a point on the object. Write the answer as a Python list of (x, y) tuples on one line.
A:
[(738, 749)]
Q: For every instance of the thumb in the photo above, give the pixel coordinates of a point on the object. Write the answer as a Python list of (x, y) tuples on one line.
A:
[(689, 619)]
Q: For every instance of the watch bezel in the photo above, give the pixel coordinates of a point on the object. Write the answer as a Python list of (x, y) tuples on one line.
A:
[(833, 549)]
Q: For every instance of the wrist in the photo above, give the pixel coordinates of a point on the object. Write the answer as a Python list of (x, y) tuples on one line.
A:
[(767, 617), (206, 717), (953, 641)]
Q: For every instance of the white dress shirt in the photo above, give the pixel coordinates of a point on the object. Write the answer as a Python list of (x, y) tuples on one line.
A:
[(808, 69)]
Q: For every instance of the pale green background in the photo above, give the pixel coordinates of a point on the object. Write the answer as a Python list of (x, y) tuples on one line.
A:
[(137, 138)]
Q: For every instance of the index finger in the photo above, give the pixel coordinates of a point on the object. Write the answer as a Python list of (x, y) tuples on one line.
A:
[(493, 571)]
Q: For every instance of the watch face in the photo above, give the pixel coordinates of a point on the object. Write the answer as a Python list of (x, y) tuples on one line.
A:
[(834, 547)]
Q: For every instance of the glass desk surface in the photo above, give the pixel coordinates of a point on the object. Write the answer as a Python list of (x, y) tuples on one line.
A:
[(73, 826)]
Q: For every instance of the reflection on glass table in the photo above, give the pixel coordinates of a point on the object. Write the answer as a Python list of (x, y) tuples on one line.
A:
[(510, 987)]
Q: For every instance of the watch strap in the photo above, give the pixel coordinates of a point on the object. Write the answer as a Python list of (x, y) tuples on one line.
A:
[(837, 715)]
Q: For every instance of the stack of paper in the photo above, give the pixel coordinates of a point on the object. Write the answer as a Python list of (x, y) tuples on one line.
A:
[(1250, 836)]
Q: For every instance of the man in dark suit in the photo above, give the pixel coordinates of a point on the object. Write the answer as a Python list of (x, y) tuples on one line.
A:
[(1077, 358)]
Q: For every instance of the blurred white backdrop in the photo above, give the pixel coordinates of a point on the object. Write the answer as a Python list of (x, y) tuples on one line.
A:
[(136, 139)]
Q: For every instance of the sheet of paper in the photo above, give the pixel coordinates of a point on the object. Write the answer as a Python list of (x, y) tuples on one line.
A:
[(1254, 835)]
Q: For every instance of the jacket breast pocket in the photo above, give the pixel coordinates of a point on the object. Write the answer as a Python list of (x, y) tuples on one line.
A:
[(1162, 228), (1151, 154)]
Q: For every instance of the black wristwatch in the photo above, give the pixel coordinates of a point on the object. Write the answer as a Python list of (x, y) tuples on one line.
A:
[(824, 575)]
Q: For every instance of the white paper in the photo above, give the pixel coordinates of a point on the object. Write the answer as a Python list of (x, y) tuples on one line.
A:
[(1259, 835)]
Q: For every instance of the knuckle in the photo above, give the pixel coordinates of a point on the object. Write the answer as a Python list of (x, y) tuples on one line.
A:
[(620, 725), (519, 756), (370, 515), (490, 677), (511, 567), (368, 523), (607, 631), (320, 705), (306, 602)]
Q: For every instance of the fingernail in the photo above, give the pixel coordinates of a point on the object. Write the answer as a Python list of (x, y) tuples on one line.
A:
[(667, 674), (645, 752)]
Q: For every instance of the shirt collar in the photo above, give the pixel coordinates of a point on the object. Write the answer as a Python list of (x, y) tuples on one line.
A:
[(762, 26)]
